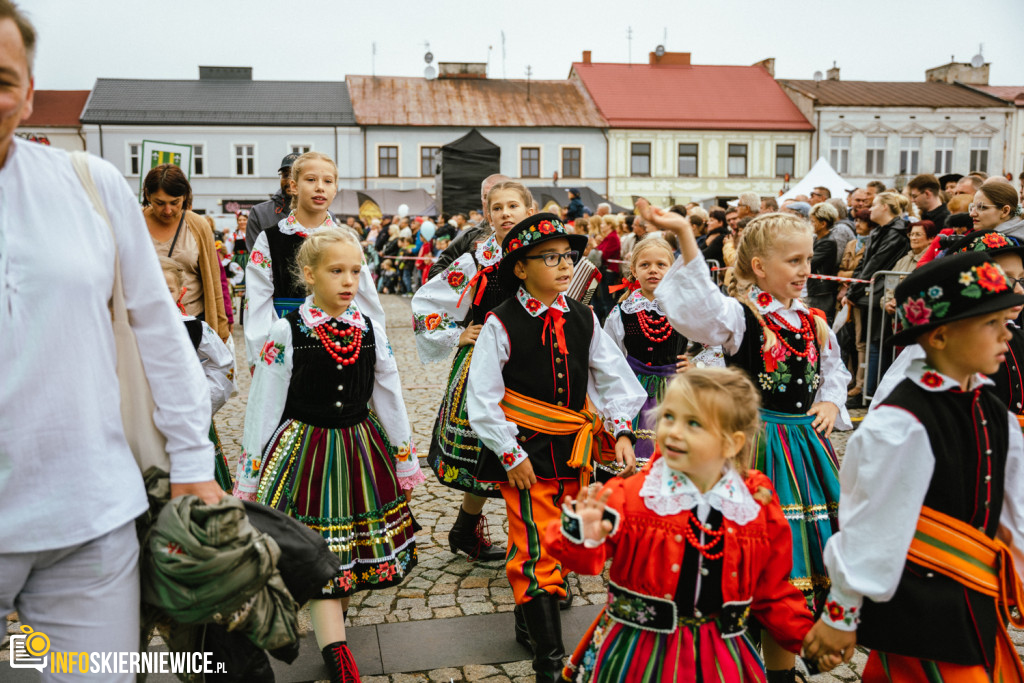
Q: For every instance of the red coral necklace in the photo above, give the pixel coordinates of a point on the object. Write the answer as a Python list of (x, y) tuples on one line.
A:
[(655, 330), (704, 548), (775, 323), (344, 349)]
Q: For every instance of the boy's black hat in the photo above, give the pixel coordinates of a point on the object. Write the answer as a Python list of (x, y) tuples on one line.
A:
[(949, 289), (536, 229), (991, 242)]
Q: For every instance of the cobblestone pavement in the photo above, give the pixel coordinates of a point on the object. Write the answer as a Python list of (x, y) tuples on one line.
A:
[(443, 585)]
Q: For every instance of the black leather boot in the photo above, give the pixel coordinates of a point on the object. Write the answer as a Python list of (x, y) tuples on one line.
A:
[(522, 632), (469, 534), (785, 676), (544, 623), (340, 664)]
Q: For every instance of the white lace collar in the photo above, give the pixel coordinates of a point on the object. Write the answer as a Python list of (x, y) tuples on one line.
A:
[(488, 252), (668, 492), (638, 302), (930, 379), (766, 303), (290, 225), (313, 316), (534, 306)]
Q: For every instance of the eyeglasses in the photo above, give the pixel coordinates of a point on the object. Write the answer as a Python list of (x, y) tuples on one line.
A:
[(552, 260), (1014, 281), (972, 208)]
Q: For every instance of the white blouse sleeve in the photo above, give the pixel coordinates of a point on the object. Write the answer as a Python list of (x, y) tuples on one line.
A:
[(896, 373), (267, 395), (366, 297), (612, 385), (697, 308), (386, 401), (259, 299), (484, 391), (219, 367), (438, 308), (835, 379), (1012, 517), (615, 331), (881, 498)]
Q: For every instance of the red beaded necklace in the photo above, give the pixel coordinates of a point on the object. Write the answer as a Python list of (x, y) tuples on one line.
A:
[(775, 323), (655, 330), (345, 349), (704, 548)]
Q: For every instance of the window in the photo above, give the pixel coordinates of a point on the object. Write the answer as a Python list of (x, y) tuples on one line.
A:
[(640, 158), (428, 161), (387, 161), (979, 154), (571, 162), (785, 160), (245, 159), (839, 153), (300, 149), (687, 159), (529, 162), (134, 163), (944, 155), (198, 160), (737, 160), (910, 155), (875, 164)]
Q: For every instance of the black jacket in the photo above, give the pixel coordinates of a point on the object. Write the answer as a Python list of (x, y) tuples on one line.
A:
[(823, 262), (265, 215), (575, 209), (886, 246), (462, 244)]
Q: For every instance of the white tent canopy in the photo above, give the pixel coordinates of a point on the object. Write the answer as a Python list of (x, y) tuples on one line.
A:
[(821, 175)]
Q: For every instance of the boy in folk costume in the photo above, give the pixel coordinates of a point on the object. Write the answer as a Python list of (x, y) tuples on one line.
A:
[(538, 356), (932, 493)]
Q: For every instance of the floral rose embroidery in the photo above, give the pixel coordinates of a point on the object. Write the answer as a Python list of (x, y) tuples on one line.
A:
[(546, 227), (432, 321), (773, 356), (456, 278), (931, 379), (835, 610), (386, 571), (272, 353), (764, 299), (532, 305), (917, 312), (515, 244), (346, 580), (991, 278), (993, 240), (488, 254), (508, 458)]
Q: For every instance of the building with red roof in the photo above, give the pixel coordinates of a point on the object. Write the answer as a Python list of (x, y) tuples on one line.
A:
[(689, 132), (55, 119)]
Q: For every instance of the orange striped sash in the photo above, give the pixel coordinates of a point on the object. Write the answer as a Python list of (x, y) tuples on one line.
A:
[(961, 552)]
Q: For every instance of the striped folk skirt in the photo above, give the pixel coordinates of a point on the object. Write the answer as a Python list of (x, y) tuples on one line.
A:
[(342, 484), (454, 446), (619, 653), (804, 470)]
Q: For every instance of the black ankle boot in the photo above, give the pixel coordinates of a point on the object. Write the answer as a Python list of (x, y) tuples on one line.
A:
[(522, 632), (469, 534), (785, 676), (340, 664), (544, 623)]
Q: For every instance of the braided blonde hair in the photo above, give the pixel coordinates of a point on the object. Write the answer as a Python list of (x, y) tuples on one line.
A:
[(760, 237)]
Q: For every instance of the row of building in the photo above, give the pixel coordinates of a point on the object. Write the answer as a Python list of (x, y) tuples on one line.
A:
[(669, 130)]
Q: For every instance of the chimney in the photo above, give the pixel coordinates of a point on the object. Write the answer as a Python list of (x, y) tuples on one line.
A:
[(225, 73), (462, 70), (833, 73), (768, 64), (964, 72), (670, 59), (586, 56)]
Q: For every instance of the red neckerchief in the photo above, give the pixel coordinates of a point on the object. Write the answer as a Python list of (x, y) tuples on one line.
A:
[(553, 318)]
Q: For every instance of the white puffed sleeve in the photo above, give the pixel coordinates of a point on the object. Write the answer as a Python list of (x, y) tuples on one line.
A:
[(439, 306), (259, 299), (612, 385), (697, 309), (614, 329)]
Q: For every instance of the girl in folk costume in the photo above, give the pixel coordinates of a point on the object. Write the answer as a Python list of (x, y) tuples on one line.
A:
[(720, 538), (448, 312), (654, 350), (271, 291), (327, 438), (793, 357), (216, 358)]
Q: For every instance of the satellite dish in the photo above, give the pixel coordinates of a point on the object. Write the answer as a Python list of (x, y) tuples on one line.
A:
[(660, 50), (978, 61), (429, 57), (818, 76), (430, 73)]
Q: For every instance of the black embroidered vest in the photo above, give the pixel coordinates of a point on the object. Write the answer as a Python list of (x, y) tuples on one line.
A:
[(546, 374), (932, 616), (493, 295), (323, 392), (794, 382), (645, 350), (283, 250), (1008, 377)]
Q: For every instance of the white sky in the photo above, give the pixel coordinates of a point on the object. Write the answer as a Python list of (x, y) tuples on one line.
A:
[(81, 40)]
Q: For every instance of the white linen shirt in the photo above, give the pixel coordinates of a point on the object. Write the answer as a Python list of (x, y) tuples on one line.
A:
[(66, 473)]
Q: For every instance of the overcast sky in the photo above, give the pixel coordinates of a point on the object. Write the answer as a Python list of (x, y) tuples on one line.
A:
[(82, 40)]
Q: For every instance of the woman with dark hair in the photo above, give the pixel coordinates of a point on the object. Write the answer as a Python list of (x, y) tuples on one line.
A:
[(715, 237), (185, 237)]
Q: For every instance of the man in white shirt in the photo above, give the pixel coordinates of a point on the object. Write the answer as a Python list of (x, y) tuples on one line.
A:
[(69, 487)]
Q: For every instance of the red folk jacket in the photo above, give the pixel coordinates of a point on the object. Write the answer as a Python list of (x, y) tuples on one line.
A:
[(646, 550)]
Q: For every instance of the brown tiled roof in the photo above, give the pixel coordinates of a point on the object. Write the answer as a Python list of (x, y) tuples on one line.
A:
[(892, 94), (57, 108), (410, 101), (1010, 93)]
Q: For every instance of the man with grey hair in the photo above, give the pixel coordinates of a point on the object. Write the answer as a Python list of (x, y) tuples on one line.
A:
[(466, 240), (603, 209), (748, 204)]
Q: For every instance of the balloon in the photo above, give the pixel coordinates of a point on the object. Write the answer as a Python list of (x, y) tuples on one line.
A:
[(403, 210), (427, 230)]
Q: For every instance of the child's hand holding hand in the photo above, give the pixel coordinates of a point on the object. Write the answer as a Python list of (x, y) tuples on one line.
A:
[(683, 364), (825, 413), (590, 508), (521, 476), (828, 646), (469, 335), (624, 455)]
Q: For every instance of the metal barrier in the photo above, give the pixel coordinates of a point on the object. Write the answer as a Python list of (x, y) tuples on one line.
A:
[(717, 272), (888, 279)]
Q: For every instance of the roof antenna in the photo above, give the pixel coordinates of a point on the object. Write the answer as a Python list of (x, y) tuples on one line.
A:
[(503, 74), (529, 72), (373, 60), (629, 39)]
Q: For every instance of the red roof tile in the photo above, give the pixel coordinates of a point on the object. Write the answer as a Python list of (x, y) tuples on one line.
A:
[(1010, 93), (891, 94), (57, 108), (690, 97)]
